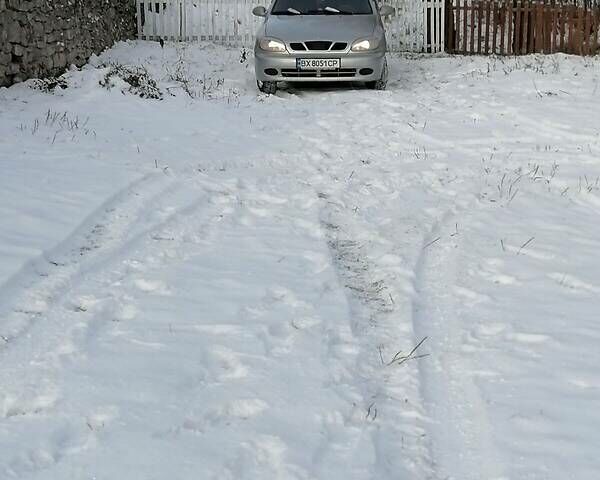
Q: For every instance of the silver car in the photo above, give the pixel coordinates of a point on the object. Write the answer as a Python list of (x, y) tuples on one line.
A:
[(321, 40)]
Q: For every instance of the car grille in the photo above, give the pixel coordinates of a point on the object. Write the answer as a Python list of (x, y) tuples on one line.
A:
[(339, 46), (321, 46), (340, 73), (298, 46), (318, 45)]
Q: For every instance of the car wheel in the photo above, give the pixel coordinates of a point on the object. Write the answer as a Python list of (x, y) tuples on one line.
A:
[(382, 82), (267, 87)]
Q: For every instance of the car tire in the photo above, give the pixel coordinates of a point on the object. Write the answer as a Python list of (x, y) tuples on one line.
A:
[(382, 82), (267, 87)]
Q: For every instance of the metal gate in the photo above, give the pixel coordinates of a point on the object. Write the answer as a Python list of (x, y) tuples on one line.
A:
[(416, 26)]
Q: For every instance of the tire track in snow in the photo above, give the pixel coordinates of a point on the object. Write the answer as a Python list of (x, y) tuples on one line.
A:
[(46, 332), (353, 238), (393, 426), (460, 435), (25, 297), (91, 300), (371, 268)]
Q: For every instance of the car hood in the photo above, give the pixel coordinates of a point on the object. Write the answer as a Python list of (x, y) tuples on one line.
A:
[(335, 28)]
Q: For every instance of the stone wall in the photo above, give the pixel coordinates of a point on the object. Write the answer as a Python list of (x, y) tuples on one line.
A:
[(41, 38)]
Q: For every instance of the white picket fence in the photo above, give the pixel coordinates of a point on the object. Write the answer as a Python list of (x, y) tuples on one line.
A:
[(417, 26)]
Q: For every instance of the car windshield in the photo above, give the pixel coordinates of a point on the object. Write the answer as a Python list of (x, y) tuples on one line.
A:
[(322, 7)]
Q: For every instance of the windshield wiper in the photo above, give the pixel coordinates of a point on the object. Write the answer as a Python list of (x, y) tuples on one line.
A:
[(289, 11), (327, 11), (335, 11)]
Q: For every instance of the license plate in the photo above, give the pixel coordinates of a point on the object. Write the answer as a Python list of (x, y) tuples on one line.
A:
[(317, 63)]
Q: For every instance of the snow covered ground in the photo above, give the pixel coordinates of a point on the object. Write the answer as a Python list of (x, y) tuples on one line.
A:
[(216, 285)]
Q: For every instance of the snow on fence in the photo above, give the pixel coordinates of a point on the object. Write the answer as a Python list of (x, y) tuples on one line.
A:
[(417, 26), (521, 27)]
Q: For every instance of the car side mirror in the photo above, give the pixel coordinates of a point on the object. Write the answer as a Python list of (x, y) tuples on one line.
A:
[(259, 11), (386, 11)]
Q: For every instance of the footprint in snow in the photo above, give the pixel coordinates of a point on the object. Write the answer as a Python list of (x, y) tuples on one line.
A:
[(528, 338), (234, 411), (226, 365), (28, 403), (151, 286)]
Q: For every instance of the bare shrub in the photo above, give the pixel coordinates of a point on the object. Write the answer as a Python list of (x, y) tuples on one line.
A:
[(49, 85), (139, 80)]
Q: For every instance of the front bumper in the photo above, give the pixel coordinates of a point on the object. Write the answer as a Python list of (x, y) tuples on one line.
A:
[(350, 66)]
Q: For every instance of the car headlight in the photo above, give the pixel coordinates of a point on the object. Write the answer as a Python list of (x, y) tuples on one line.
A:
[(272, 45), (365, 44)]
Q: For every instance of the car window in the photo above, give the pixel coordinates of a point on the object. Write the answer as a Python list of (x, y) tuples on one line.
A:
[(322, 7)]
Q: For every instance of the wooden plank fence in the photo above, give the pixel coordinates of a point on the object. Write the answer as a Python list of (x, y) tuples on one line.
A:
[(417, 26), (521, 27)]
